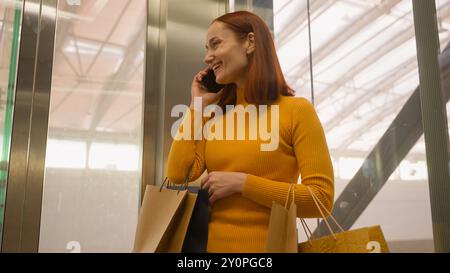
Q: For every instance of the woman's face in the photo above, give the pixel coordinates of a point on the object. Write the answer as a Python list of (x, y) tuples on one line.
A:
[(227, 55)]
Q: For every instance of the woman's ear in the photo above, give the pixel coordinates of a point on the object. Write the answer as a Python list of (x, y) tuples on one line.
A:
[(251, 42)]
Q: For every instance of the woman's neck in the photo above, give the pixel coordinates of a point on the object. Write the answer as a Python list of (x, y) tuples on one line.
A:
[(240, 95), (240, 89)]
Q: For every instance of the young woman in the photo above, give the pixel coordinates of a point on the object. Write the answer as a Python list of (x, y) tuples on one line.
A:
[(243, 180)]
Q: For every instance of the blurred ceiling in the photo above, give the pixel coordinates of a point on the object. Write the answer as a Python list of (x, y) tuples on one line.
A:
[(364, 64)]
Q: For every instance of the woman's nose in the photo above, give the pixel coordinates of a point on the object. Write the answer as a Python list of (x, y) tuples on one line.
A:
[(208, 59)]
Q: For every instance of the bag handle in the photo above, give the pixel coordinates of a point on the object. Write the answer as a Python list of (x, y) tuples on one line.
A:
[(287, 197), (303, 222), (185, 184), (317, 200), (319, 206), (305, 226), (314, 197), (164, 182)]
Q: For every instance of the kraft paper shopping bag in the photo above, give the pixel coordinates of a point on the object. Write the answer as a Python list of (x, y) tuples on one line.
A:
[(282, 231), (159, 208), (173, 239)]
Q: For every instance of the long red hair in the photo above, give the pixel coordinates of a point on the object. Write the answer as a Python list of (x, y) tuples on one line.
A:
[(265, 80)]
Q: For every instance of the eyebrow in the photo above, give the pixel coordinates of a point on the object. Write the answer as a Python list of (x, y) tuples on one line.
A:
[(215, 37)]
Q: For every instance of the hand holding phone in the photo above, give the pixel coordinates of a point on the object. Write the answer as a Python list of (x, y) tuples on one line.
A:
[(205, 86), (209, 81)]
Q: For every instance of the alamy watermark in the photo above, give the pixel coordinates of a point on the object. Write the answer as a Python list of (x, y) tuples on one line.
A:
[(213, 129)]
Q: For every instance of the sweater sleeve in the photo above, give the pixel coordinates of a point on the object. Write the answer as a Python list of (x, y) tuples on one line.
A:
[(314, 163), (187, 155)]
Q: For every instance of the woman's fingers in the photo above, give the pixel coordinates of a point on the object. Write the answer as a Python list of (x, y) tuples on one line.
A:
[(212, 199), (220, 92), (206, 186), (204, 183), (210, 191), (200, 76)]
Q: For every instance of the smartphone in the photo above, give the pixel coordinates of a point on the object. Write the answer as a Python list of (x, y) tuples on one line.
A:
[(209, 81)]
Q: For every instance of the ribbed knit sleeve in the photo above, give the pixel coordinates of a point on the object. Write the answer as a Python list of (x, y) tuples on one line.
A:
[(187, 156), (314, 163)]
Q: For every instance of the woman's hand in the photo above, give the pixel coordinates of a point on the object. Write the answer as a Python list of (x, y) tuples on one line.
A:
[(199, 90), (223, 184)]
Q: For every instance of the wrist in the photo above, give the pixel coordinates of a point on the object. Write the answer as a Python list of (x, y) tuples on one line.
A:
[(241, 184), (192, 105)]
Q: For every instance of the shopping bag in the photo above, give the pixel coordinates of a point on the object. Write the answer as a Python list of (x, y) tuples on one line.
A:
[(377, 243), (353, 241), (196, 239), (282, 231), (173, 239), (163, 219), (361, 240)]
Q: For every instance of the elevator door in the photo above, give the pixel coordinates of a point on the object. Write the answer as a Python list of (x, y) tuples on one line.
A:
[(94, 144)]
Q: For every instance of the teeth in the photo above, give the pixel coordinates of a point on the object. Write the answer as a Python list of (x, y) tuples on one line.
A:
[(216, 66)]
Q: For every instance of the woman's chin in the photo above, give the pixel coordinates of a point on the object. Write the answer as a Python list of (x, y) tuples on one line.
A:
[(220, 80)]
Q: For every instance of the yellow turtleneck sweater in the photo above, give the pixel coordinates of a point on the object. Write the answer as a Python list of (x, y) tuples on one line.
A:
[(239, 223)]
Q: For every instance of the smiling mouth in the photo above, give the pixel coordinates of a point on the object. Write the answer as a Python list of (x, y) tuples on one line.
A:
[(217, 66)]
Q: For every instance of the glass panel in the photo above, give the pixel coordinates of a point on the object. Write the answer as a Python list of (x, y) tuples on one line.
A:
[(402, 207), (10, 24), (93, 159), (291, 41), (365, 71)]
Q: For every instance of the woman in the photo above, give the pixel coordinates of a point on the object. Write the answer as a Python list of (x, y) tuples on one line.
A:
[(243, 180)]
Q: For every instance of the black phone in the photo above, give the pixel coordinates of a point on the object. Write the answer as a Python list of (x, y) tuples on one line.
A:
[(209, 81)]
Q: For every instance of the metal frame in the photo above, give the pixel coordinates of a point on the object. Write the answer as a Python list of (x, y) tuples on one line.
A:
[(434, 118), (29, 131), (154, 84)]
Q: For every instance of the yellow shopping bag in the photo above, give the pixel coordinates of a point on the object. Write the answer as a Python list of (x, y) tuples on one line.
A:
[(362, 240)]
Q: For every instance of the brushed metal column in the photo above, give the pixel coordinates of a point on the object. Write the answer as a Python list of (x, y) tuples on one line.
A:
[(153, 85), (434, 116), (29, 131), (186, 29)]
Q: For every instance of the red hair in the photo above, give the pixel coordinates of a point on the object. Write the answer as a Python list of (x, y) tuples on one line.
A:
[(265, 80)]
